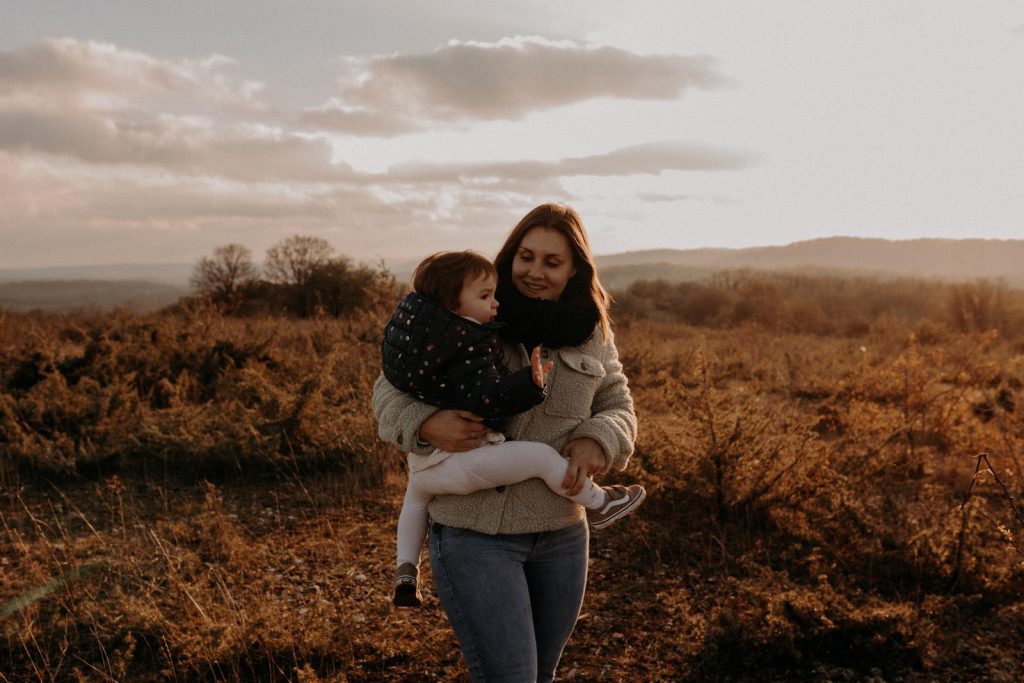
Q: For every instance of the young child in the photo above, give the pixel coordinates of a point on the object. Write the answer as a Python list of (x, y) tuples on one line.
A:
[(440, 346)]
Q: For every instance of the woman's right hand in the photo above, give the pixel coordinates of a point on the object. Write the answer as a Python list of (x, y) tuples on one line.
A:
[(453, 430)]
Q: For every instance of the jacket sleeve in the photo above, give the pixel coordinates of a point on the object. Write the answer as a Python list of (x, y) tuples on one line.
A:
[(399, 417), (491, 394), (613, 419)]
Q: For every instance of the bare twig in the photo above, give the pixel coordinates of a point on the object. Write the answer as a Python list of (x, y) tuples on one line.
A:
[(1010, 498)]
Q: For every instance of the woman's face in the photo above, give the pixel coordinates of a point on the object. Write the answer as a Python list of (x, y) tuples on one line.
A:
[(543, 264)]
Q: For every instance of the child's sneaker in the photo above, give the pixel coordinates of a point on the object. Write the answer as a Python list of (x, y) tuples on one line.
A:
[(407, 592), (621, 500)]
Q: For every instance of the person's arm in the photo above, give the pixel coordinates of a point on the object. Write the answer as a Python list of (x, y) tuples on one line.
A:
[(612, 424), (418, 428), (399, 417), (489, 393)]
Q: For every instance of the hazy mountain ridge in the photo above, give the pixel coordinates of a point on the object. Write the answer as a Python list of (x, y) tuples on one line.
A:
[(149, 286), (176, 274), (946, 259), (141, 296)]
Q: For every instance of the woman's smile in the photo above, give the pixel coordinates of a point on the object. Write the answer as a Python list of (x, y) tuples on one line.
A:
[(538, 287)]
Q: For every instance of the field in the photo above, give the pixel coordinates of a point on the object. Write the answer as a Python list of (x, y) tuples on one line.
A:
[(67, 295), (188, 496)]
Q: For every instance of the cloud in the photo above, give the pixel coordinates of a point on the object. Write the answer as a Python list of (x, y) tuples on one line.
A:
[(69, 69), (61, 211), (101, 104), (658, 197), (505, 80), (655, 158), (661, 197), (335, 116), (111, 154), (224, 190), (650, 158), (103, 116), (186, 145)]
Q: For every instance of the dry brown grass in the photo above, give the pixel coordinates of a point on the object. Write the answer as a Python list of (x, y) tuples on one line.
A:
[(193, 390), (806, 514)]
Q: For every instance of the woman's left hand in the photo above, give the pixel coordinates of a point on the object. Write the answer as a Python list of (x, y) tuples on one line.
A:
[(586, 458), (540, 370)]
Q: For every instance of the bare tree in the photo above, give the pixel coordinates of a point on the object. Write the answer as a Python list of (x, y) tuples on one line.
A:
[(221, 276), (294, 260)]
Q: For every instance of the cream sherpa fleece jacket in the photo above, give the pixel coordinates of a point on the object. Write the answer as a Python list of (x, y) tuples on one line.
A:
[(587, 396)]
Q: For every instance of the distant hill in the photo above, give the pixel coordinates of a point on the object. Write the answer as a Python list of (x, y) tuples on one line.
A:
[(66, 295), (176, 274), (944, 259)]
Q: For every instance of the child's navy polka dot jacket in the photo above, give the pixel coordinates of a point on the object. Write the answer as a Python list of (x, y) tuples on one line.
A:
[(449, 361)]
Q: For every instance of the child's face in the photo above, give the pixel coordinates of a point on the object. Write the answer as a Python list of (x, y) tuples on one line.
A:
[(476, 300)]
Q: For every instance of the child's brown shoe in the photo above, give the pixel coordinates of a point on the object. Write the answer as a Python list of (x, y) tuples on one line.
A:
[(407, 591)]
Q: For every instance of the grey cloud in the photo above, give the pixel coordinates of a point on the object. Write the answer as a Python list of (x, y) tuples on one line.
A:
[(343, 209), (656, 197), (87, 192), (193, 201), (661, 197), (73, 213), (655, 157), (503, 80), (117, 169), (514, 180), (189, 147), (651, 158), (78, 213), (542, 73), (508, 79), (357, 121), (179, 145), (65, 65), (101, 104)]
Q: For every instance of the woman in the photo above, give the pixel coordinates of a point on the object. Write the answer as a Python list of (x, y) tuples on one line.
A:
[(510, 563)]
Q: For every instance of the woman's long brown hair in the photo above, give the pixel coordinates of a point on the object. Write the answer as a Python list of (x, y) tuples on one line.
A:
[(584, 284)]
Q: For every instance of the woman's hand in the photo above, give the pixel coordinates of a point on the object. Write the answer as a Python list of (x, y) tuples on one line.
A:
[(586, 458), (453, 430), (540, 370)]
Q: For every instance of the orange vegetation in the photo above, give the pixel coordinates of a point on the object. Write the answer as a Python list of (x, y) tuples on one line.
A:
[(187, 496)]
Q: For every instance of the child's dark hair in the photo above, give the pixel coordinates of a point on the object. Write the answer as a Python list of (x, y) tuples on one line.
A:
[(441, 276)]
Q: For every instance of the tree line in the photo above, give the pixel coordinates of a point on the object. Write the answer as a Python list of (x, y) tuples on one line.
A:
[(304, 277), (827, 305), (300, 276)]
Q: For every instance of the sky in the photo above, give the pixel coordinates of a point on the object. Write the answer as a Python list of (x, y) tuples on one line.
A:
[(137, 131)]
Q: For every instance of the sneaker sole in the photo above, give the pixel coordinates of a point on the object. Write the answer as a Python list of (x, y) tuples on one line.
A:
[(622, 512), (406, 596)]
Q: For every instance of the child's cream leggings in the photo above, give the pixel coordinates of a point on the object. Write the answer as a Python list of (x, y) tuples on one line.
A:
[(486, 467)]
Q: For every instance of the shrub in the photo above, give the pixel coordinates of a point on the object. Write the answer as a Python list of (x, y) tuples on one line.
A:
[(824, 305)]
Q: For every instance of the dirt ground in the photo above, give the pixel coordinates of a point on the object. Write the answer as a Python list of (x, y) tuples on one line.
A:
[(288, 580)]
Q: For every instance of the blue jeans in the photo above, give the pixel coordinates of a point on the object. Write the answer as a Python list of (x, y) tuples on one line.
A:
[(513, 599)]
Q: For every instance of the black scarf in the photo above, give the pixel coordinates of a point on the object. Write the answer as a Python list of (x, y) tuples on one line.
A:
[(567, 322)]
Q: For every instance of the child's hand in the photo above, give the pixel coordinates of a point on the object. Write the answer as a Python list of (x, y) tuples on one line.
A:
[(540, 371)]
